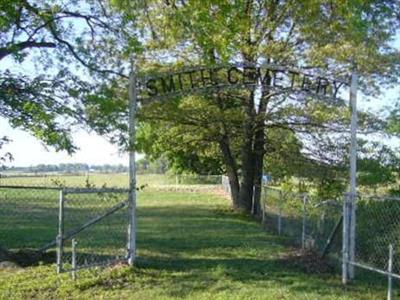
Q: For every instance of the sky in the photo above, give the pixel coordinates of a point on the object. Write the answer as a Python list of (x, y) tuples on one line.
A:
[(94, 149), (27, 150)]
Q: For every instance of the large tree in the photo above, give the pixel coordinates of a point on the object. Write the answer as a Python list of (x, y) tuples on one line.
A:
[(324, 36)]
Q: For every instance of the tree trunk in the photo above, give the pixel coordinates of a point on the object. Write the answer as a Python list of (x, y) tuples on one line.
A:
[(231, 170), (259, 150), (258, 169), (246, 189)]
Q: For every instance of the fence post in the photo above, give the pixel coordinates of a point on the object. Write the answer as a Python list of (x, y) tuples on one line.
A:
[(390, 270), (73, 246), (253, 204), (132, 167), (303, 231), (60, 236), (345, 240), (280, 213), (264, 204), (352, 232)]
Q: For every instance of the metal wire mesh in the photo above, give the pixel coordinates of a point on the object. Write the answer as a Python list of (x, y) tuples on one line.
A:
[(307, 222), (283, 214), (97, 222), (28, 217), (324, 226), (29, 202), (377, 227)]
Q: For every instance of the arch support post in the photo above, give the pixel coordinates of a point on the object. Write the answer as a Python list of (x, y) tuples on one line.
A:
[(349, 211), (132, 167)]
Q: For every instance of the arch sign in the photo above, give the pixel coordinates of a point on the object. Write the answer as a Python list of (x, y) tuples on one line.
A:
[(151, 87), (220, 77)]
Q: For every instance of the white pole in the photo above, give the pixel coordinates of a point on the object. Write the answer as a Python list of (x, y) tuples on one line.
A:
[(390, 270), (73, 248), (280, 213), (60, 236), (132, 168), (303, 231), (353, 169), (345, 239)]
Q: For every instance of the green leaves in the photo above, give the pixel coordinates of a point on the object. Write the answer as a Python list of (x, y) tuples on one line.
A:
[(40, 106), (324, 36), (60, 38)]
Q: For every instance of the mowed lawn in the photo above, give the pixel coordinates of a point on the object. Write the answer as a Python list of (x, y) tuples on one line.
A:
[(192, 246)]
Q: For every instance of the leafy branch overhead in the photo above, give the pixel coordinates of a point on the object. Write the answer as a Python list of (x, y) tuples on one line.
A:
[(66, 43)]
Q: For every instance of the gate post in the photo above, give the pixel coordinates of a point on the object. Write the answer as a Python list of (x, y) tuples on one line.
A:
[(345, 240), (60, 236), (132, 167), (304, 221), (353, 170)]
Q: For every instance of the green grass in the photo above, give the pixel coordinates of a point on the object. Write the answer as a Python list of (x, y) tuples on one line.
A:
[(190, 246)]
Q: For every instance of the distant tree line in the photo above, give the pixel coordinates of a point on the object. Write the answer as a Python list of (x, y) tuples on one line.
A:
[(71, 168), (146, 166), (143, 166)]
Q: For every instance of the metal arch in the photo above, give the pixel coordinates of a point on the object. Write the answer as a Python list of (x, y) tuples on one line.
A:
[(178, 88)]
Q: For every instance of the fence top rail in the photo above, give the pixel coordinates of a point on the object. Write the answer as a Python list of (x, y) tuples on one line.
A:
[(67, 190), (94, 190), (366, 267), (378, 198), (30, 187), (332, 202), (285, 193)]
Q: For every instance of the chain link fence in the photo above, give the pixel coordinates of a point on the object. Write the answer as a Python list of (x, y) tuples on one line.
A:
[(378, 230), (312, 223), (316, 224), (95, 218), (308, 222), (28, 217)]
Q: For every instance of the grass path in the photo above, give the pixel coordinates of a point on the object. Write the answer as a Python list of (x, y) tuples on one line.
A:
[(191, 246)]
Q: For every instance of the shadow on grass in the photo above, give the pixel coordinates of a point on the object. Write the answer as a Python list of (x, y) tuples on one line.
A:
[(30, 257)]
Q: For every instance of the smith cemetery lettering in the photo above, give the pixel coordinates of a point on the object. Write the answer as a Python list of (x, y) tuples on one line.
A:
[(205, 78)]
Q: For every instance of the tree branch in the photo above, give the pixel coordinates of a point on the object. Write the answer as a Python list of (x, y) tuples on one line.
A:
[(24, 45)]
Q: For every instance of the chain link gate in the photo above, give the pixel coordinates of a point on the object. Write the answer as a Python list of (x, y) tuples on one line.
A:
[(93, 226)]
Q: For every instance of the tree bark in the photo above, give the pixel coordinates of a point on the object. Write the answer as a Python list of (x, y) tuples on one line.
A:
[(258, 169), (247, 157), (231, 170), (259, 150)]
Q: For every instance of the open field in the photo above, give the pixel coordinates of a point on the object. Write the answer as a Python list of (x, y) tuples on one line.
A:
[(193, 246), (119, 180)]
